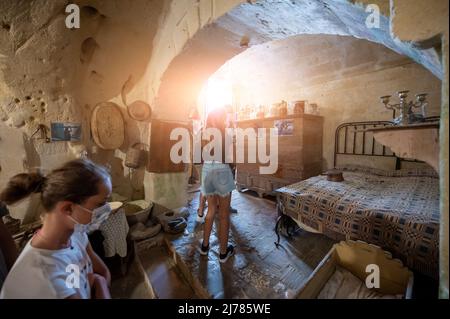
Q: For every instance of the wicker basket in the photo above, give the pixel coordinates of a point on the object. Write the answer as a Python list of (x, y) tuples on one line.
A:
[(137, 211)]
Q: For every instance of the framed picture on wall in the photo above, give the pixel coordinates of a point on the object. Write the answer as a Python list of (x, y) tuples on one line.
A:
[(66, 132), (285, 127)]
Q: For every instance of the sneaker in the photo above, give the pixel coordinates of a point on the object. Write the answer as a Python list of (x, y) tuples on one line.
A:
[(175, 226), (203, 250), (224, 257), (172, 215)]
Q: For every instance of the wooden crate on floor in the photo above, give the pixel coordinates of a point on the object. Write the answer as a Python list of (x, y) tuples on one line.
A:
[(355, 256)]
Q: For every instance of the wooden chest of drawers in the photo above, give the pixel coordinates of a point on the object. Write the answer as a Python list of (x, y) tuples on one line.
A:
[(299, 153)]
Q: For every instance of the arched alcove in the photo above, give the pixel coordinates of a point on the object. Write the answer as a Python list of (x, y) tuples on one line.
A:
[(264, 21)]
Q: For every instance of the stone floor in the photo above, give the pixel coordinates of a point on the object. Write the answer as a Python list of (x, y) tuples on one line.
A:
[(164, 275), (172, 267), (259, 269), (135, 285)]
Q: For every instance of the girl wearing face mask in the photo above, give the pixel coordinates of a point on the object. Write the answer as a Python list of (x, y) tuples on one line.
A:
[(58, 262)]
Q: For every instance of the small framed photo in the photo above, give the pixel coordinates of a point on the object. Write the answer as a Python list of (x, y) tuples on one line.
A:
[(285, 127), (66, 132)]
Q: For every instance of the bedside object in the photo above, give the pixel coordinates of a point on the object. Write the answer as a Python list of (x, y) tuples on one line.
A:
[(334, 175)]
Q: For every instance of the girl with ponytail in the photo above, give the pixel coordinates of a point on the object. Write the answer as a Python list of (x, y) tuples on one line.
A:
[(217, 185), (59, 262)]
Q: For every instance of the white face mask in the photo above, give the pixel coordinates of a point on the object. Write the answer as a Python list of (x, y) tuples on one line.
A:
[(99, 215)]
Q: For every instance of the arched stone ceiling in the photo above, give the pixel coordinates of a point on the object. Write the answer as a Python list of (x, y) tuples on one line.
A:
[(264, 21), (277, 19)]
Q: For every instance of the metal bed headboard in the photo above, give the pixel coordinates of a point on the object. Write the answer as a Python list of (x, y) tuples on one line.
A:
[(347, 135)]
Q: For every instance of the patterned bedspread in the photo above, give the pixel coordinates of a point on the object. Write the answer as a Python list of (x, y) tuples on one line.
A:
[(398, 212)]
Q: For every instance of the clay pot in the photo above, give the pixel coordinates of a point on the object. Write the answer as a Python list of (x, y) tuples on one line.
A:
[(260, 114), (274, 110), (314, 109), (299, 107), (283, 109)]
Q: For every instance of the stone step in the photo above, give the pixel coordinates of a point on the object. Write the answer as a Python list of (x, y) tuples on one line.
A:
[(166, 279)]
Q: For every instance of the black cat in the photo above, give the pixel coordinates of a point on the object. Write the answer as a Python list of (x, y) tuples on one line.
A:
[(285, 225)]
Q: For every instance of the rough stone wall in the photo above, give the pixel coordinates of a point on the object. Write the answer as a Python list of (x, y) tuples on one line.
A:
[(343, 75), (35, 86), (49, 73)]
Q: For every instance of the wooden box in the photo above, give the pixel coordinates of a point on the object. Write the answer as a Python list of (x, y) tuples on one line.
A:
[(355, 256)]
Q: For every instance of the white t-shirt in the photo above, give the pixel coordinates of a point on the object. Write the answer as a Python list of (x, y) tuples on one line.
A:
[(50, 274)]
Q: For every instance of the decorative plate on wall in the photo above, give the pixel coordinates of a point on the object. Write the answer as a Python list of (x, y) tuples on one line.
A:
[(140, 111), (107, 126)]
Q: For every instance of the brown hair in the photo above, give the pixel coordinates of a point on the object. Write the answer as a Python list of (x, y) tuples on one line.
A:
[(75, 181), (217, 119)]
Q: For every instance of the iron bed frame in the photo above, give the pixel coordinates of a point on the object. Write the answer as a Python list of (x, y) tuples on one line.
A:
[(358, 130)]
